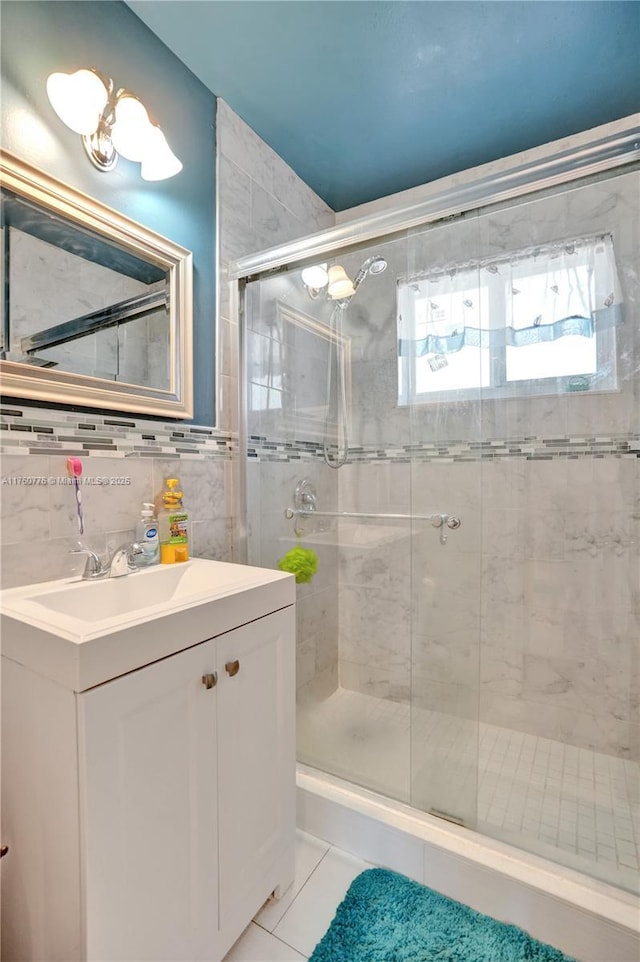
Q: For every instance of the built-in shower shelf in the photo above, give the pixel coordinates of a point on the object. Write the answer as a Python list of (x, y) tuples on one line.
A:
[(360, 537)]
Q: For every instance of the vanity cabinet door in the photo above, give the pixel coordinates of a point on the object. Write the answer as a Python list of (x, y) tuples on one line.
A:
[(149, 827), (256, 764)]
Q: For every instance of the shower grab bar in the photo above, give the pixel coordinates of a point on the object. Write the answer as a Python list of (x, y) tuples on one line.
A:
[(437, 520), (305, 500)]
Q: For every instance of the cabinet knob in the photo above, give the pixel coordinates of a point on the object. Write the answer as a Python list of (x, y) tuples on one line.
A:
[(210, 680), (3, 850), (232, 668)]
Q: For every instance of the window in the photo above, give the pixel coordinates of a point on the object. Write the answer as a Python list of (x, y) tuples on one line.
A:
[(534, 322)]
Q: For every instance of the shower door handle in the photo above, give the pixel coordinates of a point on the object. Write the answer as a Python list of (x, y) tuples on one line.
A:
[(442, 520)]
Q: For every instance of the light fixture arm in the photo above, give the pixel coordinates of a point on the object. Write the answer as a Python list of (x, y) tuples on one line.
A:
[(99, 145)]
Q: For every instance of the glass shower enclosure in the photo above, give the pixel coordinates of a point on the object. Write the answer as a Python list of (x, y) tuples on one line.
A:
[(455, 435)]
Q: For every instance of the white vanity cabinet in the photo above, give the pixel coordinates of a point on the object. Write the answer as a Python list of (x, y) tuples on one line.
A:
[(150, 816)]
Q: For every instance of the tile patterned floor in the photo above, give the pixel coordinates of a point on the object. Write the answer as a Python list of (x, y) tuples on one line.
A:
[(569, 804), (288, 930)]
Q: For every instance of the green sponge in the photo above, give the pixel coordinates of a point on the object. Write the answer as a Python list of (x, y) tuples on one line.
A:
[(301, 562)]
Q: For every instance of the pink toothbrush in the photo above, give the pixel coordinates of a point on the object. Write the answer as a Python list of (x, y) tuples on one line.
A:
[(74, 470)]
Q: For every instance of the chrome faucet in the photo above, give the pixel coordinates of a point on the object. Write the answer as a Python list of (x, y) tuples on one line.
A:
[(94, 567), (121, 563), (123, 560)]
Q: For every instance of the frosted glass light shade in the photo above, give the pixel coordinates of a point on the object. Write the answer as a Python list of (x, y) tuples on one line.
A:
[(315, 277), (111, 123), (340, 285), (131, 129), (78, 99), (159, 161)]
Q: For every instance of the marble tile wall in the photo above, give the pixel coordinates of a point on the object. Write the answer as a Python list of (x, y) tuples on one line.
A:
[(529, 616), (560, 575), (261, 203), (124, 463), (271, 486), (375, 582)]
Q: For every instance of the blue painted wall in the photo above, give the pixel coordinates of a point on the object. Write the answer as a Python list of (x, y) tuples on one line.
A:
[(41, 37)]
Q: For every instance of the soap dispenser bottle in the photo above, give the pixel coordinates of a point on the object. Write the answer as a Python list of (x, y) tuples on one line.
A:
[(173, 524), (147, 536)]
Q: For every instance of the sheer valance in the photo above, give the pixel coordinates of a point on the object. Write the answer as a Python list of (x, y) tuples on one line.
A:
[(527, 297)]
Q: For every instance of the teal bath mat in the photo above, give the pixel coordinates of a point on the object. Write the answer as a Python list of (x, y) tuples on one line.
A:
[(386, 917)]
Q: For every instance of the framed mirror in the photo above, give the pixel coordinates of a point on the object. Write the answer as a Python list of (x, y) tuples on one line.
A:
[(96, 308)]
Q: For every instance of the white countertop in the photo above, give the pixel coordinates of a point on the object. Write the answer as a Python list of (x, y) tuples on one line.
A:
[(81, 652)]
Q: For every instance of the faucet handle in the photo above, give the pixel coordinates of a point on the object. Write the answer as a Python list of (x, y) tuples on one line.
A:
[(123, 560), (94, 567), (135, 550)]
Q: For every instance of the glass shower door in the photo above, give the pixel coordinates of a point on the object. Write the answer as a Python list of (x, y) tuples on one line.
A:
[(353, 616), (440, 387), (560, 574)]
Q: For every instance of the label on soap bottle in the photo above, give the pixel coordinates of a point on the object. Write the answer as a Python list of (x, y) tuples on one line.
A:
[(178, 528)]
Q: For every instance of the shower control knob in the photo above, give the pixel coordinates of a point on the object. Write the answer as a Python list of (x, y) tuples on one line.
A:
[(453, 522)]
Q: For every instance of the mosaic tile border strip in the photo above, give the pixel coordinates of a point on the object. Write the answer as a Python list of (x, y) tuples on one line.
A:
[(519, 448), (44, 431)]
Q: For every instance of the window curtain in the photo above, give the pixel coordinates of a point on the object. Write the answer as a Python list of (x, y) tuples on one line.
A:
[(527, 297)]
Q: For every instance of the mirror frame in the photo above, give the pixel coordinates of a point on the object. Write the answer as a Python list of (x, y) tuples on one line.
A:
[(45, 384)]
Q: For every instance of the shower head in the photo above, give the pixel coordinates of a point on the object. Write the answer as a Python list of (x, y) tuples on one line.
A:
[(372, 265), (377, 265)]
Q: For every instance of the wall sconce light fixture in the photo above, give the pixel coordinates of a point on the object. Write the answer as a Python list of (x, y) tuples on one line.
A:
[(315, 278), (334, 278), (340, 285), (111, 122)]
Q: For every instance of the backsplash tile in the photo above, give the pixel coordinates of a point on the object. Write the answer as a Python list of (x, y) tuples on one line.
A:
[(125, 461), (38, 432)]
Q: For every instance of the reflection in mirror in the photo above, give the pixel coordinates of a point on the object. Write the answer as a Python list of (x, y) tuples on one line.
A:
[(96, 309), (304, 401), (79, 303)]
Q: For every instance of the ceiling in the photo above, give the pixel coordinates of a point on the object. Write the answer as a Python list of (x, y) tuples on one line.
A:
[(367, 97)]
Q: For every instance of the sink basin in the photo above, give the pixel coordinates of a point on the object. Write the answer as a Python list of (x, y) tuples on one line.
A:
[(81, 607), (82, 633), (164, 585)]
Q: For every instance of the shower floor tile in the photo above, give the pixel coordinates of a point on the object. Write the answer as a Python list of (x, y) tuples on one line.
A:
[(545, 795)]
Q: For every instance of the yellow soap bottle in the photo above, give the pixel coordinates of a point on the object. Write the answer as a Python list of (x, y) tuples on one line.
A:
[(173, 524)]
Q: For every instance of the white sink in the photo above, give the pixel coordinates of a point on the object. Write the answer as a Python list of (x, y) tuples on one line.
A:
[(159, 587), (82, 633)]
